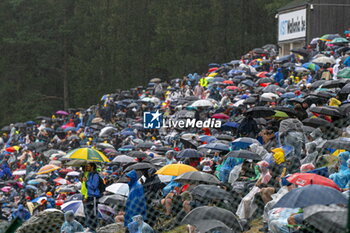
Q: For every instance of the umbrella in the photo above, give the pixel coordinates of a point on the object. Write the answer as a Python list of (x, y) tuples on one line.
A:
[(105, 211), (175, 169), (196, 177), (47, 168), (260, 111), (73, 173), (145, 145), (76, 206), (107, 130), (228, 82), (344, 73), (123, 159), (132, 105), (206, 138), (139, 166), (211, 192), (233, 88), (155, 80), (316, 122), (300, 51), (259, 51), (326, 111), (66, 189), (339, 40), (244, 154), (329, 37), (213, 213), (189, 143), (303, 179), (335, 83), (87, 154), (189, 153), (249, 83), (327, 219), (19, 172), (185, 114), (38, 199), (220, 116), (119, 188), (137, 154), (290, 111), (311, 66), (6, 189), (216, 146), (60, 180), (70, 129), (20, 125), (202, 103), (311, 195), (105, 145), (337, 144), (244, 142), (211, 226), (61, 112), (269, 97), (265, 80), (113, 199), (345, 89), (324, 60), (229, 125), (75, 197), (32, 187)]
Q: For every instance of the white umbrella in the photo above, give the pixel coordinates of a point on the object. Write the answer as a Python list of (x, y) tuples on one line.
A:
[(165, 178), (268, 96), (107, 130), (239, 102), (76, 206), (123, 159), (73, 173), (324, 60), (19, 172), (202, 103), (119, 188)]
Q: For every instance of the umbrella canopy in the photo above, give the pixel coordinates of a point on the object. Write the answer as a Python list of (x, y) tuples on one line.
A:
[(139, 166), (76, 206), (329, 37), (119, 188), (175, 169), (60, 180), (189, 153), (216, 146), (107, 130), (338, 144), (303, 179), (344, 73), (327, 219), (113, 199), (244, 154), (316, 122), (47, 168), (73, 173), (311, 66), (324, 60), (137, 154), (213, 213), (339, 40), (88, 154), (211, 226), (211, 192), (202, 103), (311, 195), (220, 116), (260, 111), (196, 177), (123, 159), (326, 111), (61, 112), (19, 172), (345, 89)]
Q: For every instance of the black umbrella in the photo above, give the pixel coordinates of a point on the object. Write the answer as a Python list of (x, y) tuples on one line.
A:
[(6, 128), (113, 199), (244, 154), (137, 154), (260, 111), (75, 197), (345, 89), (139, 166), (196, 177), (145, 145), (316, 122), (189, 143), (311, 195), (224, 137), (216, 146), (265, 80), (337, 144), (213, 213), (335, 83), (322, 94), (123, 159), (259, 51), (303, 52), (189, 153), (326, 111), (211, 192), (290, 111), (317, 84), (250, 100), (211, 226), (20, 125)]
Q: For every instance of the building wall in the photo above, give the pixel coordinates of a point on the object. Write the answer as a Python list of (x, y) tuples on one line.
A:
[(327, 17)]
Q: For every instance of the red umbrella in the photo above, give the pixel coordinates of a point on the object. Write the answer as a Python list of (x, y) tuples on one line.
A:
[(303, 179), (233, 88), (60, 180), (220, 116), (65, 170), (261, 74), (228, 82), (212, 69), (10, 149)]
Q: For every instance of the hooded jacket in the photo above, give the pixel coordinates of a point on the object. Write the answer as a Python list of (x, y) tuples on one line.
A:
[(71, 226), (136, 202)]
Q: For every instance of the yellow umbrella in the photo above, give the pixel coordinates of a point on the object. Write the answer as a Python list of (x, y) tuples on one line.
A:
[(88, 154), (175, 169), (47, 169)]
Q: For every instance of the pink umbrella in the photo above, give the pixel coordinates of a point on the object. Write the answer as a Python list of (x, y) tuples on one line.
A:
[(61, 112), (6, 189), (220, 116), (60, 180)]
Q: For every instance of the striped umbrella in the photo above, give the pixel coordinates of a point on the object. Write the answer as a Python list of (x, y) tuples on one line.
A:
[(88, 154), (76, 206), (47, 168)]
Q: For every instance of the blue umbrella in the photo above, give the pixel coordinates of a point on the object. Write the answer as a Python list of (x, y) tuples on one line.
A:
[(69, 129), (216, 146), (127, 148), (33, 182), (39, 199), (30, 123), (127, 133), (189, 153), (243, 143), (288, 95), (31, 187), (249, 83), (218, 79), (230, 125), (233, 72), (206, 138), (311, 195), (76, 206)]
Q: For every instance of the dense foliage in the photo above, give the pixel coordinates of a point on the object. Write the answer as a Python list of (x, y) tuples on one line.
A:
[(98, 46)]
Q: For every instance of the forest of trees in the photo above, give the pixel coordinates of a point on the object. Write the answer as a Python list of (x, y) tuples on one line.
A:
[(97, 46)]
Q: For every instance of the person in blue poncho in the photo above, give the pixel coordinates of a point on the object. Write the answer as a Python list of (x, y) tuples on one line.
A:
[(21, 212), (279, 76), (226, 168), (5, 172), (136, 202), (342, 177), (70, 225)]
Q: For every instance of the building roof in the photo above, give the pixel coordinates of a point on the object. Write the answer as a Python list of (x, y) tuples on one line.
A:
[(294, 4)]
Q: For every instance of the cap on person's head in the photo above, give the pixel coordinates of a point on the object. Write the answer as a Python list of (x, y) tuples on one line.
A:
[(28, 198), (49, 194), (207, 169)]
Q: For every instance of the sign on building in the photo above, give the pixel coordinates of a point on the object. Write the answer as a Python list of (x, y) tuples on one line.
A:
[(292, 25)]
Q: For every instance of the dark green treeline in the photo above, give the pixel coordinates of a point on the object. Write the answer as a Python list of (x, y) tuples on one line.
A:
[(98, 46)]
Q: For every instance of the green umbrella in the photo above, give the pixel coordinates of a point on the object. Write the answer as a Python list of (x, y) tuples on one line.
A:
[(339, 41), (344, 73)]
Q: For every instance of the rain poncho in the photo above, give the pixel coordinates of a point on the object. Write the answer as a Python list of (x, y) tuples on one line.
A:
[(226, 168), (342, 177), (139, 226), (70, 225), (279, 76), (136, 202), (21, 213)]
